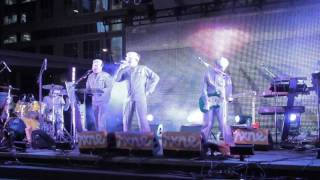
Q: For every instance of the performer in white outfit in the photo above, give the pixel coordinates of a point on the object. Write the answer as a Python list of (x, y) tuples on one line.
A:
[(54, 107), (141, 81), (217, 84), (99, 80)]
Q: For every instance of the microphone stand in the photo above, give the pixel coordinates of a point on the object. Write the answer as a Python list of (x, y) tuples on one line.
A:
[(73, 103), (83, 77), (274, 80), (43, 68)]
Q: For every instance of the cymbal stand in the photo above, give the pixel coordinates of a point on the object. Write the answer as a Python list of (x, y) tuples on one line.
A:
[(54, 122), (5, 114), (8, 101), (43, 68), (70, 87), (274, 80), (84, 76)]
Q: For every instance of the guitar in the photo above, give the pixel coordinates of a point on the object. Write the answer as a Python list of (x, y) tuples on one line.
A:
[(214, 102)]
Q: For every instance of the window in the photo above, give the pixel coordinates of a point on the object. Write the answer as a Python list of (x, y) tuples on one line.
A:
[(101, 28), (26, 1), (70, 49), (10, 2), (10, 39), (101, 5), (25, 37), (91, 49), (46, 9), (10, 19), (116, 4), (116, 47), (94, 6), (117, 26), (23, 18), (46, 49)]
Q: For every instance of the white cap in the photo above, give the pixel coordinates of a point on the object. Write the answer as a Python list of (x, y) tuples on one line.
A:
[(223, 62), (133, 55), (97, 61)]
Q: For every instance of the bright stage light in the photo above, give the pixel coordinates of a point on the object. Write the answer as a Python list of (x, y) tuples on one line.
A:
[(243, 119), (73, 75), (150, 117), (76, 11), (224, 63), (195, 117), (237, 118), (292, 117)]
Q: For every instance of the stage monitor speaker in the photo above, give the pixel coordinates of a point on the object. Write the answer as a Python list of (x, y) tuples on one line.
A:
[(133, 143), (95, 142), (242, 150), (181, 144), (260, 138), (41, 140), (64, 145), (191, 128)]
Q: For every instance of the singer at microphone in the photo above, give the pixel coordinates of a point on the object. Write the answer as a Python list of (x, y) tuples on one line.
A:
[(88, 73), (101, 82)]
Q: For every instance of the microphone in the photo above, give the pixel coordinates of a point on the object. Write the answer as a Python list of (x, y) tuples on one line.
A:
[(203, 62), (6, 66), (210, 66), (45, 64), (88, 72), (84, 76)]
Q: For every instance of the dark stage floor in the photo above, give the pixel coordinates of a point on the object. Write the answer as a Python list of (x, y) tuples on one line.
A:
[(47, 164)]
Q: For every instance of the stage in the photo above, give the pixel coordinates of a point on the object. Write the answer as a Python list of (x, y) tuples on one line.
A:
[(48, 164)]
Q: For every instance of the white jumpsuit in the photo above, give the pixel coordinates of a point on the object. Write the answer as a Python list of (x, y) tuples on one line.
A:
[(141, 81)]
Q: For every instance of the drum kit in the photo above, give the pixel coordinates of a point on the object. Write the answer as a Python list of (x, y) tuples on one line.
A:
[(26, 112)]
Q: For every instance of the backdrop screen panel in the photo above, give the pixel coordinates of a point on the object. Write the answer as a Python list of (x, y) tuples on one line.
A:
[(284, 42)]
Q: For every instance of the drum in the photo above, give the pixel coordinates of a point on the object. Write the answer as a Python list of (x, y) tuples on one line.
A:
[(48, 128), (34, 106), (3, 98), (33, 123), (20, 109), (15, 127)]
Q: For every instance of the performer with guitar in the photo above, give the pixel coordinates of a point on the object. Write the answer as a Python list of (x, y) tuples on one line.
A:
[(216, 92)]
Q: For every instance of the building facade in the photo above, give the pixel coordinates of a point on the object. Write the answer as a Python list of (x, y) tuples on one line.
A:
[(69, 28)]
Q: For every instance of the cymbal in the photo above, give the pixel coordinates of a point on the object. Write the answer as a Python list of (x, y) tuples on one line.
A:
[(9, 87), (91, 91), (52, 87), (64, 92), (60, 92)]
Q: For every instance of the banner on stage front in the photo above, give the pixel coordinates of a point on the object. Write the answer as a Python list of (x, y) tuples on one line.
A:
[(251, 136)]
